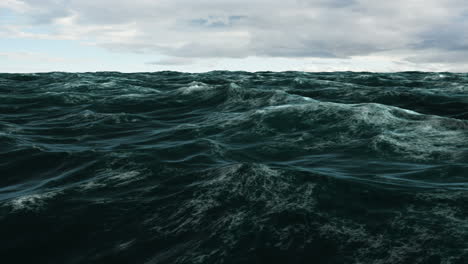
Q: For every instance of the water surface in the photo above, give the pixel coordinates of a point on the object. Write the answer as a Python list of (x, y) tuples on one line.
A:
[(234, 167)]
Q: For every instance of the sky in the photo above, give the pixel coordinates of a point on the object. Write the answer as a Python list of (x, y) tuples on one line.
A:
[(250, 35)]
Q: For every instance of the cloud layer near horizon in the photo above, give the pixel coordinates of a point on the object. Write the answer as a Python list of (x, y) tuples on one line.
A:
[(413, 32)]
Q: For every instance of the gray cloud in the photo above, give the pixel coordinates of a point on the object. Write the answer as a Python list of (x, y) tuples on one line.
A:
[(418, 31), (217, 21)]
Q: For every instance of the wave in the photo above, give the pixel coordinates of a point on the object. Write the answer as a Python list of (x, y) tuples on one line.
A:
[(232, 167)]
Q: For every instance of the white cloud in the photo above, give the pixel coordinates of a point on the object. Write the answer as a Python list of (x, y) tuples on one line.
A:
[(14, 5), (172, 61), (39, 57)]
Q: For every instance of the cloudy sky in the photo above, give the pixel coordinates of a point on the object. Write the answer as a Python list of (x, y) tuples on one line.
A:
[(252, 35)]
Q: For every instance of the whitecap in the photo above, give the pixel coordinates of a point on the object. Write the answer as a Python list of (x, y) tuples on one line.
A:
[(195, 87), (32, 202)]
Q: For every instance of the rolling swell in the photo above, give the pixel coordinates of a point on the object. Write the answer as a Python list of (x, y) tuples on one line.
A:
[(234, 167)]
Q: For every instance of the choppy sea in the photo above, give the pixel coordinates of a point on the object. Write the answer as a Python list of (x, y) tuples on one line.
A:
[(234, 167)]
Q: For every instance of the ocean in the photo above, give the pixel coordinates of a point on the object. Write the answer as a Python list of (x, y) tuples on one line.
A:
[(234, 167)]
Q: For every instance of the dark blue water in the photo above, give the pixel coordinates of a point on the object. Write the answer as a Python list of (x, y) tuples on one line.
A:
[(234, 167)]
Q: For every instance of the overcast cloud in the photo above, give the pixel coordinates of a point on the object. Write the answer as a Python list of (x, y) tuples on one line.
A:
[(417, 32)]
